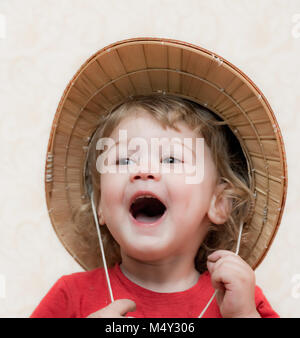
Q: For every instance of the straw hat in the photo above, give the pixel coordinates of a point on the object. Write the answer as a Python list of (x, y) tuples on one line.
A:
[(152, 65)]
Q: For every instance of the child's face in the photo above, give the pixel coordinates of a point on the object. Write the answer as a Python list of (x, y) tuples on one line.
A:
[(185, 221)]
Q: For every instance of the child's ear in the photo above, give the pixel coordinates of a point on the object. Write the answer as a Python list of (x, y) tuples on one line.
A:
[(100, 215), (220, 205)]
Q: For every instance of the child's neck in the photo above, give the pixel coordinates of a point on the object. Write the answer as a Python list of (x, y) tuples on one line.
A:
[(169, 276)]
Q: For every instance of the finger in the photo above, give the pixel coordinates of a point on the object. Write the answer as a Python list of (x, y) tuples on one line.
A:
[(122, 306), (234, 263), (220, 254), (219, 280), (229, 275), (213, 265), (220, 294), (210, 267)]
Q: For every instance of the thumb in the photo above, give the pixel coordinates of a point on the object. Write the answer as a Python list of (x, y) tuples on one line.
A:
[(220, 295), (210, 267), (122, 306)]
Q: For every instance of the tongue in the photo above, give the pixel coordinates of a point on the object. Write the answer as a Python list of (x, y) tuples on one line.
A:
[(143, 218)]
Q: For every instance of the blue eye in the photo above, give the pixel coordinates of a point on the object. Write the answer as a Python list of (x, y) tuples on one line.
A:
[(123, 161), (171, 160)]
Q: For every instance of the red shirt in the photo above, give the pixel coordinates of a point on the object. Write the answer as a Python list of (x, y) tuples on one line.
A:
[(80, 294)]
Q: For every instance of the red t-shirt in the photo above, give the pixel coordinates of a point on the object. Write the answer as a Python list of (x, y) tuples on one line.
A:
[(80, 294)]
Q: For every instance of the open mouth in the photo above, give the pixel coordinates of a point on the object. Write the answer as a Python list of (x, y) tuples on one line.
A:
[(147, 209)]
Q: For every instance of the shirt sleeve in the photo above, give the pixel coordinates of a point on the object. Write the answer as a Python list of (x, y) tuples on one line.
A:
[(56, 304), (263, 306)]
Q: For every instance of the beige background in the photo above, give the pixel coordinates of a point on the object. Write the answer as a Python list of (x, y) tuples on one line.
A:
[(43, 43)]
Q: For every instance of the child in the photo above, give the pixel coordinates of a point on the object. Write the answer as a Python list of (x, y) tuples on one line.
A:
[(169, 244)]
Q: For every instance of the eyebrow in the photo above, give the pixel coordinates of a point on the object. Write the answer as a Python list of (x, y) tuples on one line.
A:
[(128, 140)]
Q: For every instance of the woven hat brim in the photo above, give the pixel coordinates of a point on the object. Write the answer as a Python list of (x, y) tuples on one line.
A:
[(151, 65)]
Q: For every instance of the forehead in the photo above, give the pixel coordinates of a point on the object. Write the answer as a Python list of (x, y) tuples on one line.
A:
[(140, 123)]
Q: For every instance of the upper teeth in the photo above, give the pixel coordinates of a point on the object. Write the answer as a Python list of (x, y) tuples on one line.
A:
[(144, 196)]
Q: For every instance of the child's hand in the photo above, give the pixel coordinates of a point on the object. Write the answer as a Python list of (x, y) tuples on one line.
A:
[(235, 281), (116, 309)]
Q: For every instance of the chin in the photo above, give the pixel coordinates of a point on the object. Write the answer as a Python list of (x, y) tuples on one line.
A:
[(145, 254)]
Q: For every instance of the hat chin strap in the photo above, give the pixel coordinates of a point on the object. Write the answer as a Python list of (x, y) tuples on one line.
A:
[(105, 266), (101, 247)]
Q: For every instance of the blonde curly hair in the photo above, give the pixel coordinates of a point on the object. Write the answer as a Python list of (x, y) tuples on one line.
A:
[(226, 153)]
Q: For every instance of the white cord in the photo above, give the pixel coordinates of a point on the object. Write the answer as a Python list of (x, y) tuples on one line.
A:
[(239, 239), (101, 247), (236, 253)]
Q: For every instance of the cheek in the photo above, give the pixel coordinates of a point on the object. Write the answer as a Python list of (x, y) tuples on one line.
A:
[(111, 191), (179, 190), (189, 199)]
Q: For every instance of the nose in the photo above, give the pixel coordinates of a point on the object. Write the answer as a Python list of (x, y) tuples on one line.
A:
[(145, 175)]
